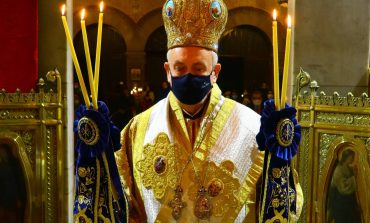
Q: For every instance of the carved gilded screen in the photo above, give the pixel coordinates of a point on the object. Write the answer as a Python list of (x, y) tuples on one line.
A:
[(32, 156), (334, 155)]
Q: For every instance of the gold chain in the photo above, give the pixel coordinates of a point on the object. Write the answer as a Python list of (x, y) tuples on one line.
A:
[(204, 124)]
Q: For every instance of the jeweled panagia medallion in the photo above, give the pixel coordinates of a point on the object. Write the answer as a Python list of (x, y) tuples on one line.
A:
[(203, 206)]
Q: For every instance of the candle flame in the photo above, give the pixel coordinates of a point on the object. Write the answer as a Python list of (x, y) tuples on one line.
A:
[(101, 6), (274, 14), (82, 14), (63, 9), (289, 21)]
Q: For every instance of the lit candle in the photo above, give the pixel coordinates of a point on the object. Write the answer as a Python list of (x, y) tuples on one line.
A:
[(88, 59), (74, 58), (286, 63), (276, 62), (98, 50)]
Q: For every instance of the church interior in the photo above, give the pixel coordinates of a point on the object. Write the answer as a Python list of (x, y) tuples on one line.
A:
[(39, 91)]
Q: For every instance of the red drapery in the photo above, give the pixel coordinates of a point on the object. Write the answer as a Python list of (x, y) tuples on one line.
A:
[(18, 45)]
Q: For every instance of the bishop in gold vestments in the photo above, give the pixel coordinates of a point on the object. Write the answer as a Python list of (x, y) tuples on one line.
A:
[(193, 157)]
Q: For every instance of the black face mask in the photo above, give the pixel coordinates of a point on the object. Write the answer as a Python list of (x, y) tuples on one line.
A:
[(191, 89)]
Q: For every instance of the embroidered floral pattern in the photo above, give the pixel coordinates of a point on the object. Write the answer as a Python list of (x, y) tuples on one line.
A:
[(160, 165)]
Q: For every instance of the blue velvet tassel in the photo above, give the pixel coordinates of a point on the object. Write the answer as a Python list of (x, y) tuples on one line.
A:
[(279, 137), (95, 135)]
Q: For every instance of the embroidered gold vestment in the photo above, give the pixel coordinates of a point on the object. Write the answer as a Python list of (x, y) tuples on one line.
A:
[(161, 152)]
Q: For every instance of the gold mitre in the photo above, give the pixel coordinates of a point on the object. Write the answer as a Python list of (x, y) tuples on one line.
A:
[(194, 22)]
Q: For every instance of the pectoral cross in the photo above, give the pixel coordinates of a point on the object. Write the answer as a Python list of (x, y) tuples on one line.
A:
[(177, 204)]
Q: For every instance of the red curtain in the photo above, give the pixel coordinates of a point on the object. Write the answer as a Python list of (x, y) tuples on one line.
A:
[(18, 45)]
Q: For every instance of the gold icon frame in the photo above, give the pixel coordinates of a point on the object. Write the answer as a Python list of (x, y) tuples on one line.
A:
[(330, 123)]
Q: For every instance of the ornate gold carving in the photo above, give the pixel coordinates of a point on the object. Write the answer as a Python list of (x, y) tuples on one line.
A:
[(18, 114), (51, 114), (304, 99), (305, 116), (336, 100), (51, 174), (32, 97), (343, 118), (366, 141), (28, 140), (302, 80), (304, 169), (362, 120), (335, 118), (325, 141), (168, 177), (32, 118)]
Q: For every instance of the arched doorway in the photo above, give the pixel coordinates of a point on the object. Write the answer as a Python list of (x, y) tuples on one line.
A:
[(112, 61), (156, 49), (245, 53)]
